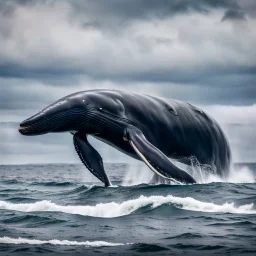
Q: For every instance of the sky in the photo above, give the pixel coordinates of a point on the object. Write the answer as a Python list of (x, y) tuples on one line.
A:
[(202, 52)]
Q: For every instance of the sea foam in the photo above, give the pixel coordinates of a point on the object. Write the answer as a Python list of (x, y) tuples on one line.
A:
[(20, 240), (113, 209)]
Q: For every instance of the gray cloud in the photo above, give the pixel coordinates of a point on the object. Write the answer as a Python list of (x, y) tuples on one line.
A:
[(173, 41), (132, 8), (232, 14)]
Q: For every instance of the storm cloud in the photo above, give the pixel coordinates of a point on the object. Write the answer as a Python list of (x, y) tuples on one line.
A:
[(170, 41), (200, 51)]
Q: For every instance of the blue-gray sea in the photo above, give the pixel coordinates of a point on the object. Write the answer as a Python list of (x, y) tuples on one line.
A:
[(56, 209)]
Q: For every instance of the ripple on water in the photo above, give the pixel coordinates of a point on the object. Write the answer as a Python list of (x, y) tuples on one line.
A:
[(143, 247)]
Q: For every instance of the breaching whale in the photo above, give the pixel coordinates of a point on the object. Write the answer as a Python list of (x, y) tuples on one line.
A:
[(154, 130)]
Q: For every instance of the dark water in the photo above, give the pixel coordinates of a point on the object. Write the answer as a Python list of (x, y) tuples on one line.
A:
[(45, 208)]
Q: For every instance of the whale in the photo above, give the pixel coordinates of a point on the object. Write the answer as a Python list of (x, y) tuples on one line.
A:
[(160, 132)]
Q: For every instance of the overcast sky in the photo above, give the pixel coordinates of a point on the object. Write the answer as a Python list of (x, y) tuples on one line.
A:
[(202, 52)]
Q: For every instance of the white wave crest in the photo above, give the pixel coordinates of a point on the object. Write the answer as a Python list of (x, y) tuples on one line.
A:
[(110, 210), (20, 240)]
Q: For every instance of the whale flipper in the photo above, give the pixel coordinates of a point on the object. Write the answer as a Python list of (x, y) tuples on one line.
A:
[(90, 157), (156, 160)]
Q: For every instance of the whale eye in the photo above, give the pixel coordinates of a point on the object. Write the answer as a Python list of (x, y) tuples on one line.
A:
[(100, 109)]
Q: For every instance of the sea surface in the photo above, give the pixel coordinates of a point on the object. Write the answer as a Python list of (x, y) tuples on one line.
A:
[(60, 209)]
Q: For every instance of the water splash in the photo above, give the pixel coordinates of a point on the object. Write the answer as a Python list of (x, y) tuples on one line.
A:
[(236, 175), (139, 173), (204, 174)]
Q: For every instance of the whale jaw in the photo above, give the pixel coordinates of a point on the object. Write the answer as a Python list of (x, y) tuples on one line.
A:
[(29, 130), (24, 130)]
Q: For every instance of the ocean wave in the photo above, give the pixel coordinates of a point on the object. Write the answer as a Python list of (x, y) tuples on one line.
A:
[(10, 181), (142, 247), (20, 240), (35, 219), (185, 236), (113, 209), (54, 184)]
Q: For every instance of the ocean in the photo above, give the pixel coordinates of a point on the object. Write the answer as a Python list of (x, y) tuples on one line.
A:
[(59, 209)]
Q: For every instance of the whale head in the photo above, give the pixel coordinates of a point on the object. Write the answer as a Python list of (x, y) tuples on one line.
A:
[(65, 115)]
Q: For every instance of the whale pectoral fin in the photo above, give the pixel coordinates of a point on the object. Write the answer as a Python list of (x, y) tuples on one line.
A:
[(156, 160), (90, 157)]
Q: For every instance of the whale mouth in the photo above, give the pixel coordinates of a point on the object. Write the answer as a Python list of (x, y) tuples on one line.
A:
[(24, 129), (31, 130)]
